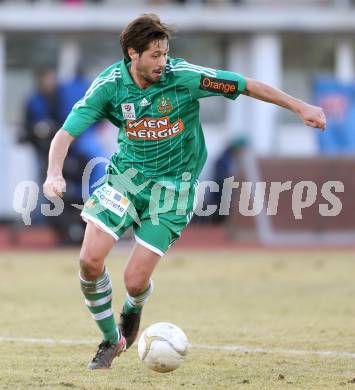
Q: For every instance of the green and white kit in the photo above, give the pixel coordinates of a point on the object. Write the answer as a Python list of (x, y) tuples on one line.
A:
[(151, 180)]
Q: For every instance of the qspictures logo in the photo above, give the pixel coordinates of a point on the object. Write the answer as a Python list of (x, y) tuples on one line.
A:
[(153, 128), (226, 87)]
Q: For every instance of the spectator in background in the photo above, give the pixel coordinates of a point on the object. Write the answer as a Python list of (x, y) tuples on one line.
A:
[(338, 101), (45, 110), (88, 146), (82, 151), (228, 164), (42, 116)]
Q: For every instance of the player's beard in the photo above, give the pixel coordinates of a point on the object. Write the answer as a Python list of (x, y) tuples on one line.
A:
[(148, 75)]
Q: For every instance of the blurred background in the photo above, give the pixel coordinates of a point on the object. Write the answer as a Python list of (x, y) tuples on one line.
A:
[(51, 50)]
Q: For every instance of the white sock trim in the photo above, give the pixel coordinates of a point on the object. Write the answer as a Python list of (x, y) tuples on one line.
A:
[(98, 302), (103, 276), (141, 300), (149, 246), (104, 314)]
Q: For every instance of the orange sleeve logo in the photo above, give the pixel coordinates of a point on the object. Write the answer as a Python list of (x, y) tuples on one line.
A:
[(222, 86)]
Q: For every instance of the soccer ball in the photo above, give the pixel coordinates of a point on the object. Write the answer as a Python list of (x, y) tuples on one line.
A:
[(163, 347)]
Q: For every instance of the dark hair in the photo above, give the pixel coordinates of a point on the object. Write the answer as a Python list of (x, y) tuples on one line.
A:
[(141, 31)]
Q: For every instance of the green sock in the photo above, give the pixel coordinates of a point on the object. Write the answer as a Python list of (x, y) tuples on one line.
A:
[(135, 304), (98, 299)]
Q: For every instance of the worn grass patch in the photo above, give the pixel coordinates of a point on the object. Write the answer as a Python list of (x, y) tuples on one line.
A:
[(276, 301)]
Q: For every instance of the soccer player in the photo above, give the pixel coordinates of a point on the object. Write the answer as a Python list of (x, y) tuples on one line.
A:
[(154, 101)]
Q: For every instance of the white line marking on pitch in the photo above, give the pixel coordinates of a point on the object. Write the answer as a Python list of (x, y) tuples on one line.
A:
[(33, 340), (227, 348), (241, 349)]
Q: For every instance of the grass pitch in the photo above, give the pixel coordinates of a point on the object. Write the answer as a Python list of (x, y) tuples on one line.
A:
[(289, 304)]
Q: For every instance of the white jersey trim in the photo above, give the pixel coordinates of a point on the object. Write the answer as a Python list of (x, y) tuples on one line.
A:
[(115, 74), (194, 68)]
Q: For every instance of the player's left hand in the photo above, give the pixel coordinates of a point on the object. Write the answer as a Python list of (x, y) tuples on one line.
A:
[(313, 116)]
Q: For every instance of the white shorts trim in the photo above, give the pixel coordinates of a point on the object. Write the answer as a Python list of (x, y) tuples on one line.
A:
[(149, 246), (87, 217)]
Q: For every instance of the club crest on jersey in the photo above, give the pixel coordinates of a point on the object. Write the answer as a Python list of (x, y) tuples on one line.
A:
[(164, 105), (128, 111)]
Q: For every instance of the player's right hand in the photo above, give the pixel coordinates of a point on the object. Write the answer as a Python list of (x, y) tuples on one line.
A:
[(54, 186), (313, 116)]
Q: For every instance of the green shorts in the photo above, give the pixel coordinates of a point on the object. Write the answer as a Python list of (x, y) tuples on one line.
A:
[(157, 210)]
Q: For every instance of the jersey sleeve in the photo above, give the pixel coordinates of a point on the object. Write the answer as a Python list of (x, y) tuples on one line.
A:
[(89, 109), (205, 82)]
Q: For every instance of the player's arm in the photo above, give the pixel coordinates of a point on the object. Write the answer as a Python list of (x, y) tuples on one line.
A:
[(55, 183), (312, 116)]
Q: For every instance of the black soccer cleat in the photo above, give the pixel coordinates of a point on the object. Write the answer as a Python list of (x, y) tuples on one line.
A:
[(105, 354), (129, 326)]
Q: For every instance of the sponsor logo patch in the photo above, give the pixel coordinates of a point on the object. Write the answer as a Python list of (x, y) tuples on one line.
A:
[(153, 129), (226, 87), (128, 111), (112, 199), (164, 106)]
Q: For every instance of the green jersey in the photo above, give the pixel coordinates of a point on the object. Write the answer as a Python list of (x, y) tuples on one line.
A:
[(160, 132)]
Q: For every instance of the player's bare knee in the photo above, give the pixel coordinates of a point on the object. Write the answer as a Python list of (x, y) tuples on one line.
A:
[(134, 291), (90, 267), (135, 285)]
